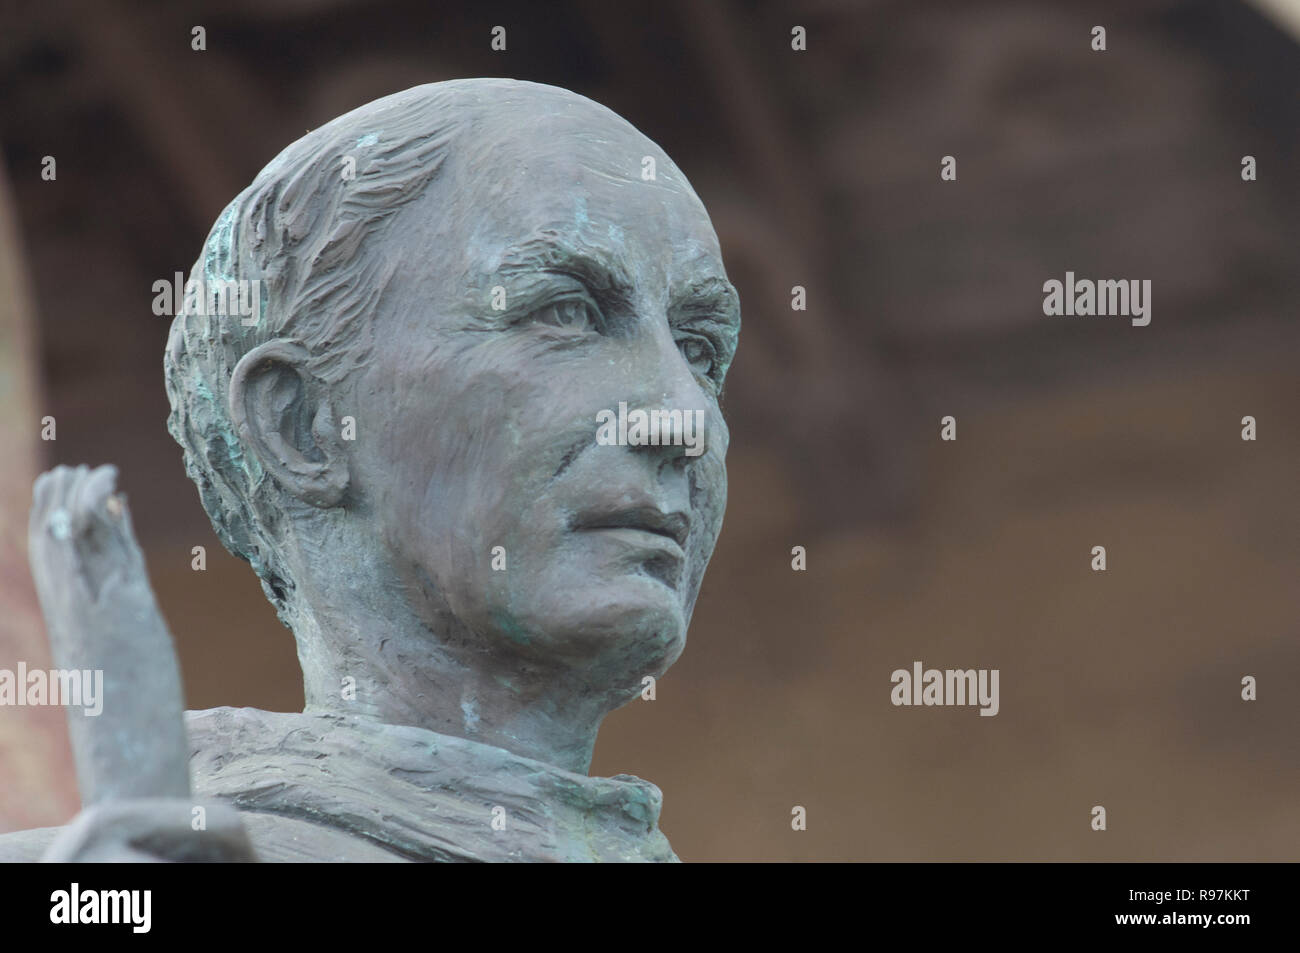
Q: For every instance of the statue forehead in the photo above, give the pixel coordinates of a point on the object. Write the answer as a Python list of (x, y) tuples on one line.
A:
[(575, 161), (537, 162), (592, 182)]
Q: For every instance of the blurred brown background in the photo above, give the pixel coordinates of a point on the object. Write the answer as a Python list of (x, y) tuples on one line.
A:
[(820, 168)]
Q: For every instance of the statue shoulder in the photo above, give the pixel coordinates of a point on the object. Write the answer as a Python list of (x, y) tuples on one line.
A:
[(25, 847), (275, 839)]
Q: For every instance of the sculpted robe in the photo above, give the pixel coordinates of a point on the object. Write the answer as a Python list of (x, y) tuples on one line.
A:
[(340, 788)]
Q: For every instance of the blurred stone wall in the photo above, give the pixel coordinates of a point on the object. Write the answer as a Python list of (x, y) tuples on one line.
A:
[(39, 786)]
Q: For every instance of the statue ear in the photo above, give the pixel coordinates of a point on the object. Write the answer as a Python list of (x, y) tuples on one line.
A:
[(282, 413)]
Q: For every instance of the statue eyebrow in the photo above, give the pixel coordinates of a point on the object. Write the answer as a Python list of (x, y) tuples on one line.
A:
[(549, 252), (713, 297)]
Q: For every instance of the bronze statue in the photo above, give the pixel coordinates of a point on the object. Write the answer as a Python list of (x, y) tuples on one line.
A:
[(451, 287)]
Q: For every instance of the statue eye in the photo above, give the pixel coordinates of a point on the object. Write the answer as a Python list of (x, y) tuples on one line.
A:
[(571, 314), (700, 354)]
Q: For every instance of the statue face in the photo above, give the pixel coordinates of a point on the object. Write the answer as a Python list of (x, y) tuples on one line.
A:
[(507, 521)]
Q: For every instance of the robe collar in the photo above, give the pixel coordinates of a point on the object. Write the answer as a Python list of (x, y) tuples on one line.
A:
[(420, 794)]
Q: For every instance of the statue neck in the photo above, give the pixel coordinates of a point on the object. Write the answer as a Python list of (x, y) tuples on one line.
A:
[(398, 671)]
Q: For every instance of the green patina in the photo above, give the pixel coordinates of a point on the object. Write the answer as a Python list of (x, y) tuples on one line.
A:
[(508, 626)]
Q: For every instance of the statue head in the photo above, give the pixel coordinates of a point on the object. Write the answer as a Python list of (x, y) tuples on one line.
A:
[(434, 441)]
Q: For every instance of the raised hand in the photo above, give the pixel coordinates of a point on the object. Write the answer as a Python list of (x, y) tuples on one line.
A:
[(132, 755)]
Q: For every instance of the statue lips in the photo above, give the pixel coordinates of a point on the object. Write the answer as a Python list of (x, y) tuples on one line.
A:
[(643, 525)]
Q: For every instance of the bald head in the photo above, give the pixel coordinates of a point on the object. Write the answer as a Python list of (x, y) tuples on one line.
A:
[(301, 234)]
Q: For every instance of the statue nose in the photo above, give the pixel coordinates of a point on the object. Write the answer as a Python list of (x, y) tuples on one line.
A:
[(675, 408)]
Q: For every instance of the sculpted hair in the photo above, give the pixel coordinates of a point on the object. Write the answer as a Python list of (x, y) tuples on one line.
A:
[(300, 231)]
